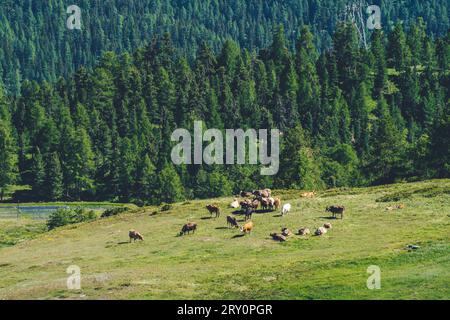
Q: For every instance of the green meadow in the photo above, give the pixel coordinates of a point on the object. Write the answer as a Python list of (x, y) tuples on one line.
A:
[(220, 263)]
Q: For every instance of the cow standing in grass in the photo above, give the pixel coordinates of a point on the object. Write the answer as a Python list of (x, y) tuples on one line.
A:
[(247, 228), (134, 235), (188, 227), (265, 203), (248, 213), (213, 209), (286, 209), (232, 222), (335, 210), (277, 203)]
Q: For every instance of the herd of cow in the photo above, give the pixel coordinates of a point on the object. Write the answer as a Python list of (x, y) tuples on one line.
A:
[(250, 203)]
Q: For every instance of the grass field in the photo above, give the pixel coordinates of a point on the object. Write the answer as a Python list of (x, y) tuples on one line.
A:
[(218, 263)]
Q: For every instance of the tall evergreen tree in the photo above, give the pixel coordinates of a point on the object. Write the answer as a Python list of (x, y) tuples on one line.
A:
[(8, 158), (54, 178)]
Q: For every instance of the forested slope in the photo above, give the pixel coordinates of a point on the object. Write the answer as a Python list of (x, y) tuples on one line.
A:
[(35, 43), (350, 116)]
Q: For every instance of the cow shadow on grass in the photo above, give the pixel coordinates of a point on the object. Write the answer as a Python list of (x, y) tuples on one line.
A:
[(263, 211), (278, 216), (328, 218), (123, 242), (238, 236), (206, 218), (222, 228), (241, 212)]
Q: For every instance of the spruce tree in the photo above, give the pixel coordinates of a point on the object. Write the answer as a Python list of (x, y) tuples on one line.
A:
[(170, 187), (8, 158), (54, 178)]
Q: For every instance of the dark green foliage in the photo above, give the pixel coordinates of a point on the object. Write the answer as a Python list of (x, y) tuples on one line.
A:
[(349, 116), (35, 43), (113, 212), (62, 217), (8, 150)]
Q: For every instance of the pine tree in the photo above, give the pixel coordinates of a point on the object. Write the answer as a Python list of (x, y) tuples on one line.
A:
[(169, 185), (378, 51), (309, 87), (387, 147), (54, 178), (37, 173), (399, 54), (298, 168), (80, 165), (147, 180), (8, 158)]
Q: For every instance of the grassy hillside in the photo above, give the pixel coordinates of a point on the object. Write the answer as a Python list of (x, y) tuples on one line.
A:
[(218, 263)]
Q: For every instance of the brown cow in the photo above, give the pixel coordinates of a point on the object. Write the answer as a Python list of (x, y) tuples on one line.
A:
[(188, 227), (396, 207), (255, 204), (265, 193), (308, 194), (247, 228), (212, 208), (134, 235), (245, 204), (277, 203), (245, 194), (265, 203)]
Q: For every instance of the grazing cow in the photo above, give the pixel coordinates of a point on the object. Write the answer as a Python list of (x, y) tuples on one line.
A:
[(232, 222), (335, 210), (234, 204), (271, 203), (255, 204), (212, 208), (245, 194), (265, 203), (188, 227), (308, 194), (327, 226), (248, 213), (246, 203), (277, 203), (304, 231), (247, 228), (286, 209), (134, 235), (320, 231), (286, 232), (265, 193), (278, 237)]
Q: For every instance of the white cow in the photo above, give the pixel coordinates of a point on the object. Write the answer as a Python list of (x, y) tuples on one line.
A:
[(286, 209), (320, 231), (234, 204)]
